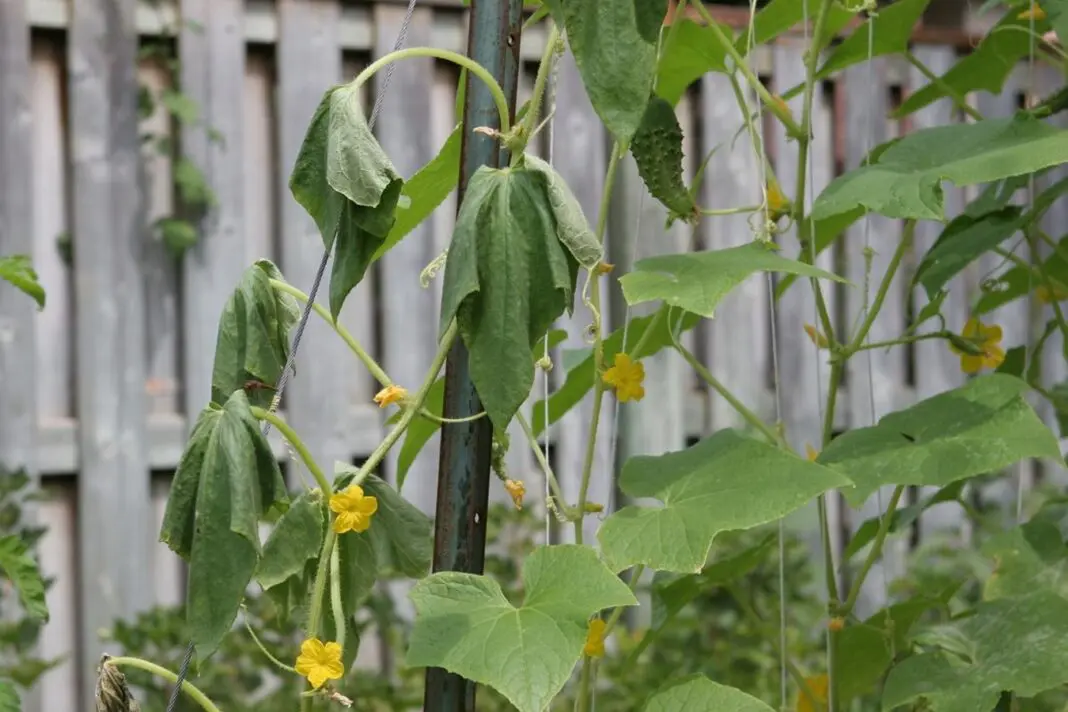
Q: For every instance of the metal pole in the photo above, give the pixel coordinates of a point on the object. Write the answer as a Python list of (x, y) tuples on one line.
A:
[(464, 464)]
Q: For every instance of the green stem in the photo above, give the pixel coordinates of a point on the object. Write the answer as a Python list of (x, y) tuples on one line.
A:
[(335, 596), (782, 114), (438, 419), (302, 450), (582, 702), (729, 211), (466, 62), (187, 687), (949, 91), (315, 612), (267, 653), (539, 455), (544, 70), (876, 550), (884, 287), (635, 579), (871, 345)]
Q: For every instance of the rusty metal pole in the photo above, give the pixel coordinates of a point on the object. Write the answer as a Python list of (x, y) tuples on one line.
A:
[(464, 465)]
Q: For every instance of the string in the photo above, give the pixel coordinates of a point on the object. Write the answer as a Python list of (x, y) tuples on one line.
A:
[(1030, 242), (283, 380)]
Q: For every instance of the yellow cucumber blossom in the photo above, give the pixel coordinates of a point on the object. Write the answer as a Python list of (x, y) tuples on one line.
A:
[(390, 394), (778, 204), (817, 685), (626, 377), (811, 453), (1035, 12), (319, 662), (1044, 295), (516, 489), (816, 337), (594, 647), (353, 509), (987, 338)]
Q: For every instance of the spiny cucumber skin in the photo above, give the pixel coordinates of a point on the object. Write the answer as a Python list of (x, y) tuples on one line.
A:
[(657, 150)]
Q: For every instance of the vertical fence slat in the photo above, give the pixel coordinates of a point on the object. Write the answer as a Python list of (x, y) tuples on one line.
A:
[(580, 155), (309, 63), (870, 398), (108, 231), (58, 556)]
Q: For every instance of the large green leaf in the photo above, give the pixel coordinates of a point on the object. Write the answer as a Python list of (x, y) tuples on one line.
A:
[(726, 482), (18, 271), (890, 33), (579, 380), (226, 481), (696, 693), (1018, 281), (1028, 558), (295, 540), (253, 337), (508, 277), (980, 427), (698, 281), (465, 624), (614, 43), (18, 567), (1014, 644), (425, 191), (348, 185), (657, 151), (905, 181), (572, 228), (689, 52)]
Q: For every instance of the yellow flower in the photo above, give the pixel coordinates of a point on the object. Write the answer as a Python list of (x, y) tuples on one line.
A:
[(836, 624), (516, 489), (1035, 12), (817, 685), (626, 376), (778, 203), (1044, 295), (319, 662), (353, 509), (816, 337), (811, 453), (986, 339), (594, 639), (603, 267), (390, 394)]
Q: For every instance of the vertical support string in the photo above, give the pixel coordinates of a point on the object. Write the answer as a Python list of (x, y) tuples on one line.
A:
[(1032, 251)]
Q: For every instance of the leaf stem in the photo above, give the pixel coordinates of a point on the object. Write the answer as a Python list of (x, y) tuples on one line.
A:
[(187, 687), (291, 435), (871, 345), (335, 596), (876, 550), (263, 649), (942, 84), (729, 211), (315, 612), (635, 578), (884, 287), (466, 62), (539, 455), (544, 70)]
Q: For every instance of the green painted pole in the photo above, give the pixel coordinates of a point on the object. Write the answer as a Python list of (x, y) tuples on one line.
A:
[(464, 464)]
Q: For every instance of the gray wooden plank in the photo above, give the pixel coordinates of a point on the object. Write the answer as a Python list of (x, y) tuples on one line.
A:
[(58, 556), (212, 61), (876, 391), (260, 156), (580, 156), (108, 231), (937, 368), (309, 63)]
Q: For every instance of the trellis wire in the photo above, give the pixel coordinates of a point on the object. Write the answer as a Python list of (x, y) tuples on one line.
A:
[(1031, 239), (283, 380)]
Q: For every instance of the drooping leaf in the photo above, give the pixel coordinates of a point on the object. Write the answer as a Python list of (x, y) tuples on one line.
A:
[(906, 180), (1027, 558), (696, 693), (508, 277), (18, 271), (253, 337), (690, 52), (980, 427), (465, 624), (614, 43), (226, 481), (657, 151), (425, 191), (726, 482), (1013, 644), (698, 281), (890, 33), (984, 69), (348, 185), (296, 539), (572, 228), (18, 567), (579, 380)]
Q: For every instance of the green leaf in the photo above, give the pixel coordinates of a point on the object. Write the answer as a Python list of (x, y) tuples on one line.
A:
[(890, 33), (726, 482), (696, 693), (980, 427), (906, 180), (465, 624), (984, 69), (689, 52), (227, 479), (1028, 558), (1057, 12), (579, 380), (425, 191), (177, 234), (295, 540), (1018, 281), (826, 232), (1060, 405), (18, 567), (9, 698), (507, 279), (1015, 644), (253, 338), (194, 192), (902, 518), (572, 228), (348, 185), (18, 271), (182, 107), (657, 150), (779, 16), (614, 43), (698, 281)]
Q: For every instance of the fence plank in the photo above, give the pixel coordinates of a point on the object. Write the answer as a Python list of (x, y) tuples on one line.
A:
[(309, 63), (108, 232), (58, 552)]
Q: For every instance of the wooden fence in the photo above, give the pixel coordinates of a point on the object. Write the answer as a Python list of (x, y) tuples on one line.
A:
[(96, 390)]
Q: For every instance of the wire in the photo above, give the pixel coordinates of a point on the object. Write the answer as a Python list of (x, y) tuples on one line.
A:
[(283, 380)]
